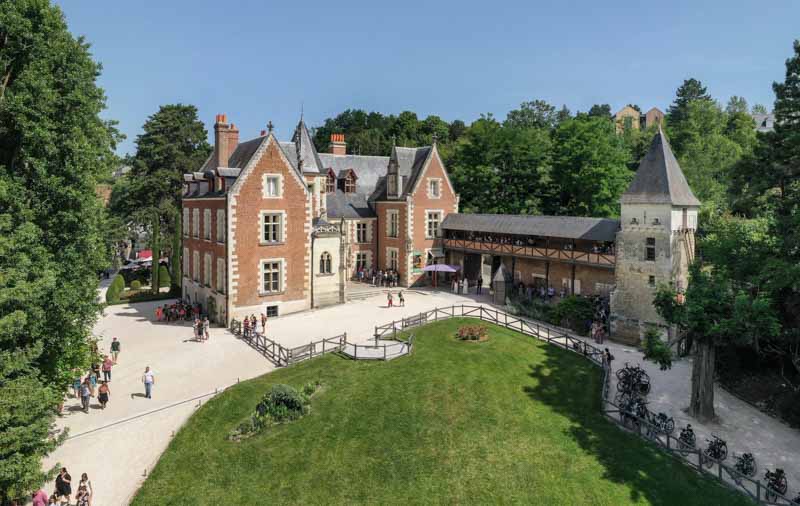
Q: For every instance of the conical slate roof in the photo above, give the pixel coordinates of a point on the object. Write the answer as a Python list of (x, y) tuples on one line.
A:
[(306, 152), (659, 179)]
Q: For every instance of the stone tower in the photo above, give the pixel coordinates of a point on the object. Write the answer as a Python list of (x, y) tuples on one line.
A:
[(655, 243)]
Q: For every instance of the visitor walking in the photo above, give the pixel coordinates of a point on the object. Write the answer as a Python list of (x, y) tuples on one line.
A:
[(455, 284), (480, 283), (64, 485), (107, 365), (103, 393), (115, 349), (92, 382), (86, 393), (76, 387), (402, 299), (206, 324), (39, 498), (149, 379), (86, 486), (389, 299), (607, 358), (264, 324), (465, 286)]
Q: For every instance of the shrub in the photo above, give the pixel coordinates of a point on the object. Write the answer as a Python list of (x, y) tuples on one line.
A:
[(115, 289), (163, 276), (472, 333), (136, 284), (575, 313), (656, 350), (282, 403)]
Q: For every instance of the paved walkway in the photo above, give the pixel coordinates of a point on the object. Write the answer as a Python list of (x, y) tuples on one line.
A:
[(116, 455)]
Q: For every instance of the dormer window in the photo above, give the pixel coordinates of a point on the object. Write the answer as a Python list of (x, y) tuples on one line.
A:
[(349, 184), (330, 182)]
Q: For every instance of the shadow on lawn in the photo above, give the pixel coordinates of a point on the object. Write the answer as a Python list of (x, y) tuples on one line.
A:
[(571, 387)]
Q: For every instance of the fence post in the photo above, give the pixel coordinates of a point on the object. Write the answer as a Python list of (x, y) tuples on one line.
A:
[(384, 352)]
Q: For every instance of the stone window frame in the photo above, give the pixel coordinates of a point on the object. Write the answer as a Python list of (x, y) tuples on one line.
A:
[(389, 214), (220, 275), (196, 266), (367, 259), (437, 181), (365, 226), (186, 222), (221, 226), (264, 179), (325, 263), (281, 228), (281, 276), (428, 221), (651, 281), (196, 223), (186, 261), (207, 265), (207, 225), (650, 249), (389, 251)]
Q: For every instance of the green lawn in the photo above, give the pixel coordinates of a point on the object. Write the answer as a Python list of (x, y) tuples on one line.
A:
[(511, 420)]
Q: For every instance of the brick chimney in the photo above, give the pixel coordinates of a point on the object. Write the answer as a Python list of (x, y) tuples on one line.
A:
[(226, 138), (338, 146)]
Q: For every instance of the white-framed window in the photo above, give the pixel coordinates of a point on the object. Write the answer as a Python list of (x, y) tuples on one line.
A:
[(361, 232), (325, 263), (362, 260), (392, 258), (433, 220), (207, 224), (185, 262), (196, 265), (272, 227), (207, 269), (196, 223), (186, 222), (271, 276), (272, 186), (220, 225), (434, 188), (393, 229), (221, 275)]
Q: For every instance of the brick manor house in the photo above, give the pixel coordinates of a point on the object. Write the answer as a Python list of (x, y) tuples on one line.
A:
[(276, 227)]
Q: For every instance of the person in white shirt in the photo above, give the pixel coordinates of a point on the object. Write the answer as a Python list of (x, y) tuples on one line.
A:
[(149, 379)]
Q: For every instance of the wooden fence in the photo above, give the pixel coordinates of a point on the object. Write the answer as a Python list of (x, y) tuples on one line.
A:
[(283, 356)]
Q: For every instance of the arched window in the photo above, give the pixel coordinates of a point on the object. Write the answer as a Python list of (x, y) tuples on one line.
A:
[(325, 263)]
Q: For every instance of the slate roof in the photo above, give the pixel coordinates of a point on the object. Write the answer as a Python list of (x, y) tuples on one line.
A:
[(369, 169), (410, 162), (659, 179), (305, 149), (348, 205), (764, 122), (244, 152), (563, 227)]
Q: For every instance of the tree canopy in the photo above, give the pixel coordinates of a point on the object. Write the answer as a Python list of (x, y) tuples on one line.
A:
[(54, 148)]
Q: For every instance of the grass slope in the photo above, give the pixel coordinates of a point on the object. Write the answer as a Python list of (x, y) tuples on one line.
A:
[(510, 420)]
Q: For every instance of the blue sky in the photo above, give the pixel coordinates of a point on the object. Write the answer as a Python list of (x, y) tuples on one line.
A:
[(260, 60)]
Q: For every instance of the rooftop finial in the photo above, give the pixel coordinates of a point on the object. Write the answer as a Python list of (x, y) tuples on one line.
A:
[(301, 111), (270, 126)]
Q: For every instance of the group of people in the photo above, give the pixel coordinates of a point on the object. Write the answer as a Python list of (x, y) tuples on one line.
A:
[(400, 297), (86, 387), (388, 278), (178, 311), (250, 325), (63, 492), (201, 329), (462, 285)]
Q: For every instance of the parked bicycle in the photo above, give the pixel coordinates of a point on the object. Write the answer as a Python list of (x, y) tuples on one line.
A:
[(633, 379), (776, 483), (745, 464), (660, 424), (634, 411), (687, 439), (717, 451)]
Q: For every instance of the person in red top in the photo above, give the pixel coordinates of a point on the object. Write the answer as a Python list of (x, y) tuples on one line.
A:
[(40, 498), (107, 364)]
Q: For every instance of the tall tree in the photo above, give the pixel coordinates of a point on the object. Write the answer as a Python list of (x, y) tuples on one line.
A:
[(589, 167), (174, 142), (759, 109), (54, 148), (502, 169), (535, 114), (600, 111), (690, 91)]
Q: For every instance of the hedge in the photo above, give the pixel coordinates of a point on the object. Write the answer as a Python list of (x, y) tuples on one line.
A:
[(115, 289), (163, 276), (136, 284)]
